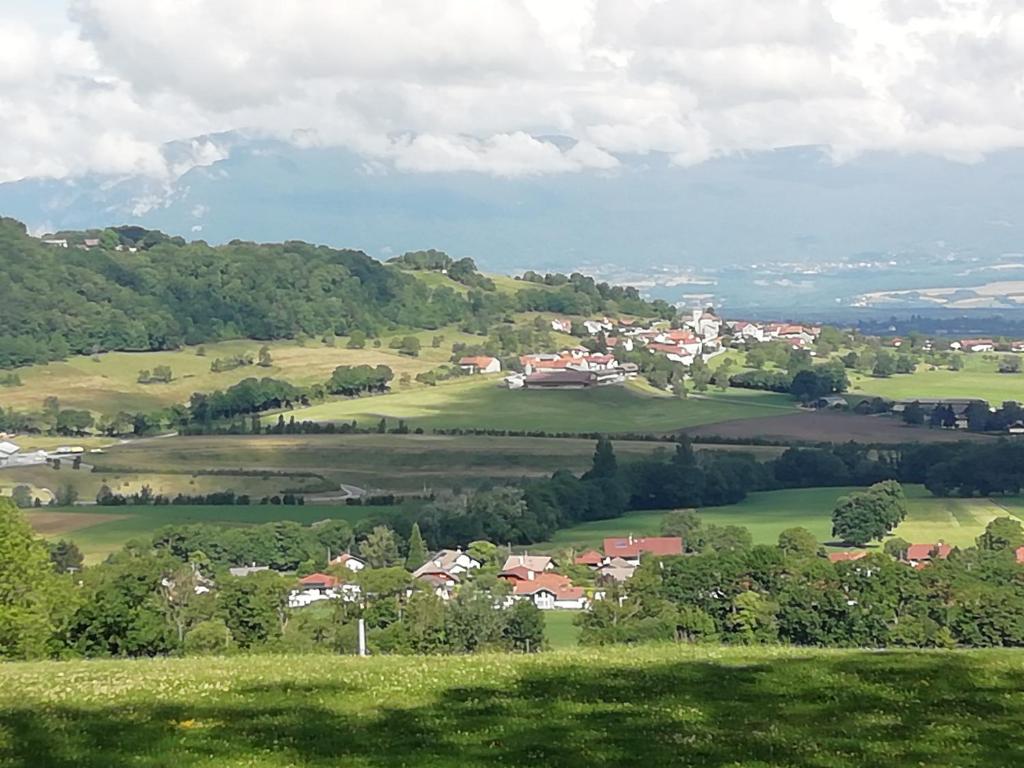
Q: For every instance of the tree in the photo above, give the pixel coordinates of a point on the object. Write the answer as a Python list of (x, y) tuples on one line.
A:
[(885, 365), (30, 593), (524, 627), (956, 363), (914, 414), (896, 547), (264, 359), (410, 345), (861, 517), (65, 496), (21, 495), (798, 542), (208, 638), (65, 556), (1009, 364), (380, 548), (684, 523), (356, 340), (253, 607), (604, 464), (162, 374), (484, 552), (1001, 533), (417, 553)]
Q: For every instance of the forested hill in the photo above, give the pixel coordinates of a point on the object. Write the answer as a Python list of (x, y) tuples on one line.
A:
[(142, 290)]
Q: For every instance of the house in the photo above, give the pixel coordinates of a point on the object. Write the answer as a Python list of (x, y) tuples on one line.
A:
[(591, 558), (1017, 346), (442, 583), (248, 570), (562, 325), (567, 379), (920, 555), (480, 364), (351, 562), (56, 242), (594, 327), (312, 588), (447, 561), (91, 242), (974, 345), (1019, 554), (845, 557), (8, 450), (630, 549), (550, 591), (748, 331), (707, 324), (616, 569), (1017, 428), (535, 563)]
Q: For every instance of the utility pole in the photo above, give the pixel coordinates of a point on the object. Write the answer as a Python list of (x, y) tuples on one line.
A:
[(362, 637)]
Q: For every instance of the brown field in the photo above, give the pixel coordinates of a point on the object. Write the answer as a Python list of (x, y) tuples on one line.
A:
[(821, 426), (57, 523)]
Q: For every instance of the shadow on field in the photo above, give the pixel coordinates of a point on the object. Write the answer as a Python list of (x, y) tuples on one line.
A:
[(834, 710)]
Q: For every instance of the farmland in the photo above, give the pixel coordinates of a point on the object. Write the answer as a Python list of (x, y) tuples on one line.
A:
[(482, 404), (98, 531), (654, 705), (979, 378), (929, 519)]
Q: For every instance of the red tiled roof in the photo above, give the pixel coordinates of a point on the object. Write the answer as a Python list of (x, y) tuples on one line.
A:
[(519, 573), (590, 557), (845, 557), (658, 546), (319, 579), (560, 586), (928, 551), (478, 361)]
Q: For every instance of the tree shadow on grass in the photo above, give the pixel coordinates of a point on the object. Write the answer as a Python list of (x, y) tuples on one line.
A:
[(832, 709)]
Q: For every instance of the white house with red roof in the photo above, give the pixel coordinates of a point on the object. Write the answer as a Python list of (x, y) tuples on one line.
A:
[(550, 591), (321, 586), (351, 562), (480, 364), (630, 549), (974, 345)]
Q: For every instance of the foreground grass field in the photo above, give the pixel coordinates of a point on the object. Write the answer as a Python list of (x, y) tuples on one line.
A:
[(98, 531), (653, 706), (481, 403), (979, 378), (930, 519)]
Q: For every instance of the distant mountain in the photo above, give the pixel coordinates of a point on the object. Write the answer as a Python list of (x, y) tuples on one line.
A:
[(785, 205)]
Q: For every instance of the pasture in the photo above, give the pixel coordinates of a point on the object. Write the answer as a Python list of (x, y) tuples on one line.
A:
[(653, 706), (979, 378), (98, 531), (482, 403), (765, 515), (108, 383)]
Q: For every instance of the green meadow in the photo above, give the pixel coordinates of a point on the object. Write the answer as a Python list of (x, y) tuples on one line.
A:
[(929, 519), (483, 403), (647, 706), (979, 378)]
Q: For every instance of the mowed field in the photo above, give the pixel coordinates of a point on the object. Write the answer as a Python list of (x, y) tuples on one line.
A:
[(648, 706), (108, 383), (483, 403), (98, 531), (979, 378), (765, 515), (828, 426)]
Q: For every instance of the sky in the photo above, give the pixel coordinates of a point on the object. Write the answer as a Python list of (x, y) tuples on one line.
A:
[(98, 86)]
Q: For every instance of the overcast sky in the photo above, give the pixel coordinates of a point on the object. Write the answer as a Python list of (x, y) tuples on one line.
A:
[(99, 85)]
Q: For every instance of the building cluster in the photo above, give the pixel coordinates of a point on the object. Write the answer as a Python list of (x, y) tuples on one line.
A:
[(916, 555)]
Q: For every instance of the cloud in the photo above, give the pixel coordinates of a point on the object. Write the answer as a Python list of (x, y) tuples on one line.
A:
[(464, 86)]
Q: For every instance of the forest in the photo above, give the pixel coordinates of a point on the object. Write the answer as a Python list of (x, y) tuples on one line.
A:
[(140, 290)]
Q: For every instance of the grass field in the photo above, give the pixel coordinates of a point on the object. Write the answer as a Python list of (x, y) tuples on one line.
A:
[(979, 378), (108, 383), (930, 519), (560, 631), (482, 403), (98, 531), (651, 706)]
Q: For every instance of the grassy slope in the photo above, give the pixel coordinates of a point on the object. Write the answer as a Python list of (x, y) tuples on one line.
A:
[(957, 521), (654, 706), (979, 378), (560, 631), (99, 539), (483, 403)]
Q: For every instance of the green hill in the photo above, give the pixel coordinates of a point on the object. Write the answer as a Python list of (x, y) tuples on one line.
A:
[(649, 706)]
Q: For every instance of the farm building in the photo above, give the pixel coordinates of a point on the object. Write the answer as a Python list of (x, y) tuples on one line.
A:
[(8, 450), (480, 364)]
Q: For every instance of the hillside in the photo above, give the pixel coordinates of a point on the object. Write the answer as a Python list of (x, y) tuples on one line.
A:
[(131, 289), (650, 706)]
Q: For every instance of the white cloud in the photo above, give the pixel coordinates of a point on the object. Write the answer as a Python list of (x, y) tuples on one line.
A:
[(465, 86)]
